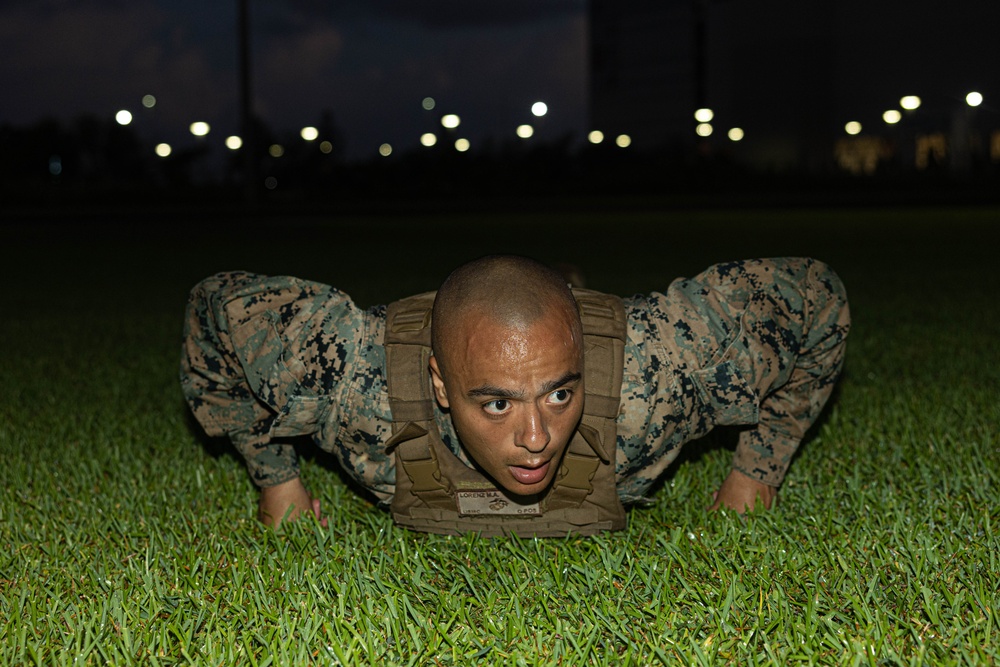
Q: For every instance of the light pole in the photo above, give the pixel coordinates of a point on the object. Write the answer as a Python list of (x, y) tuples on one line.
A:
[(964, 141), (246, 105), (700, 8)]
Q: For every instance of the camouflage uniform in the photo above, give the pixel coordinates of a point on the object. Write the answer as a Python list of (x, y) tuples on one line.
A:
[(757, 343)]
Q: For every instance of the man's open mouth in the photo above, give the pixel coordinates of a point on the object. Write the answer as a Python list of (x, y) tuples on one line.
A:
[(530, 475)]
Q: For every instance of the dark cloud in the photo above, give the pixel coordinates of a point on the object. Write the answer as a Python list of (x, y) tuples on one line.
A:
[(447, 13), (480, 13), (97, 57), (370, 62), (374, 80)]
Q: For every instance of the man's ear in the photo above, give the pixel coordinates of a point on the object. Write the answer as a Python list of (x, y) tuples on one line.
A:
[(440, 393)]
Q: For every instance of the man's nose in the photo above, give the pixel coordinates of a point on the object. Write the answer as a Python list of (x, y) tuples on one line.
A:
[(534, 434)]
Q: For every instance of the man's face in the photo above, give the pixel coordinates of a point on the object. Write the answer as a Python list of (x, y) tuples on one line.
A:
[(515, 395)]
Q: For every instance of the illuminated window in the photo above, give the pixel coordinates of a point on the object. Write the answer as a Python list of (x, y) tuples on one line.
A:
[(931, 150), (860, 155)]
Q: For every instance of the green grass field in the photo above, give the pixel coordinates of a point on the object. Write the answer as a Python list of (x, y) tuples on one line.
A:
[(126, 537)]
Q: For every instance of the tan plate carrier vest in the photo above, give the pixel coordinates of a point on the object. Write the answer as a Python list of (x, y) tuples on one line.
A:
[(437, 493)]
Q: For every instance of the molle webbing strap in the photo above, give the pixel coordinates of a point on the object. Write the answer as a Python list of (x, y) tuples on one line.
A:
[(582, 499), (407, 350), (603, 319)]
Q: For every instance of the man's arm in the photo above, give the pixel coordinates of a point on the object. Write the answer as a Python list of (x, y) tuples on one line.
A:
[(242, 375), (808, 308), (214, 376)]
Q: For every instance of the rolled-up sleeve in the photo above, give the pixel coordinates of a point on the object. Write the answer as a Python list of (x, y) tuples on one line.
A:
[(754, 344), (257, 366), (797, 327)]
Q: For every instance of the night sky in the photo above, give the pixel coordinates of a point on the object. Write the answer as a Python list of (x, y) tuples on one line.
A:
[(371, 62)]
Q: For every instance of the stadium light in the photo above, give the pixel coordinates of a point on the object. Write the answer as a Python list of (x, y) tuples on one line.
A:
[(704, 115)]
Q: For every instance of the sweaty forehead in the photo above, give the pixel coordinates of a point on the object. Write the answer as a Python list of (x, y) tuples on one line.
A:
[(551, 316), (486, 323), (555, 331)]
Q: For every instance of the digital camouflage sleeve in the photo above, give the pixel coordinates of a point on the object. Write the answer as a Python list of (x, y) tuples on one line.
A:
[(268, 358), (757, 344)]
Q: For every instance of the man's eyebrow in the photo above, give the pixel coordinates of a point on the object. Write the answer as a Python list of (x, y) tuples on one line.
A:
[(500, 392), (564, 380), (490, 390)]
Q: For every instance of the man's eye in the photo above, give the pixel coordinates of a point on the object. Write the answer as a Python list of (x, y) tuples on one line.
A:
[(561, 396), (497, 407)]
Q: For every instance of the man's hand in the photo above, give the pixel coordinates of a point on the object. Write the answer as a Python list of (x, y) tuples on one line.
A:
[(289, 498), (741, 493)]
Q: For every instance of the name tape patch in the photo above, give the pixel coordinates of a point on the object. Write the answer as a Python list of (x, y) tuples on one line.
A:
[(492, 501)]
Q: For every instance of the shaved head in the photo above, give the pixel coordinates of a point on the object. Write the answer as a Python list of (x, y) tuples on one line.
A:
[(508, 366), (507, 290)]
